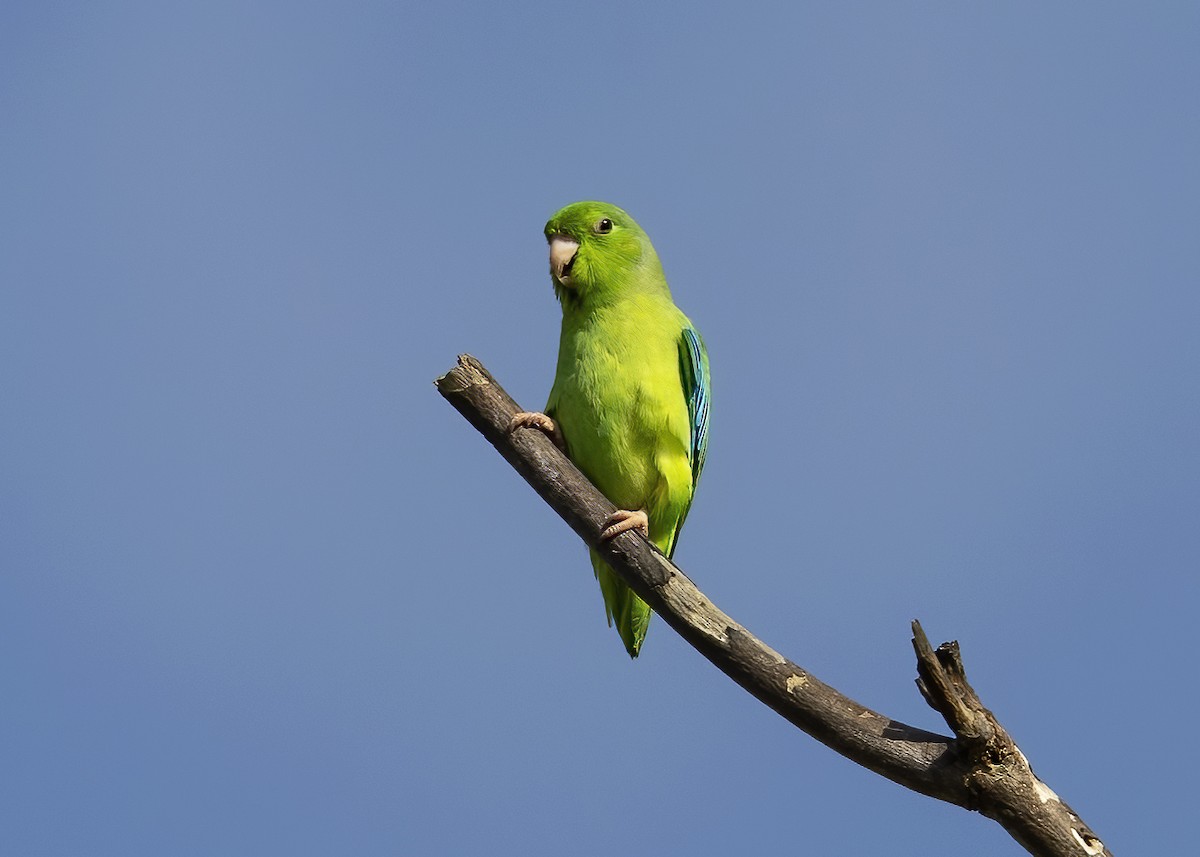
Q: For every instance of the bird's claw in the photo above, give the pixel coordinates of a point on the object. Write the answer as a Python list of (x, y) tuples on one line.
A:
[(539, 421), (622, 521), (531, 419)]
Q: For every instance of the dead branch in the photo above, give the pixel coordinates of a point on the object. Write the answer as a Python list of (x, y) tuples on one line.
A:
[(980, 768)]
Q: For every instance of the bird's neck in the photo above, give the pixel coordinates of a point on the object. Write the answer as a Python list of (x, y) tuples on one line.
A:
[(639, 284)]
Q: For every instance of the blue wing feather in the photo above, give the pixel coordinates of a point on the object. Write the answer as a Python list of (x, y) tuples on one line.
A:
[(696, 388), (693, 372)]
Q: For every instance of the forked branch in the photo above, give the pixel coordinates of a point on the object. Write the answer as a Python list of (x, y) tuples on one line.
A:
[(980, 768)]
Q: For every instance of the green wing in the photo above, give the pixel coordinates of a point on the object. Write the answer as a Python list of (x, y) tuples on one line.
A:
[(693, 373)]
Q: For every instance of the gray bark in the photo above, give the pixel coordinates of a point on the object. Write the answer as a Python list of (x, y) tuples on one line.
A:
[(979, 769)]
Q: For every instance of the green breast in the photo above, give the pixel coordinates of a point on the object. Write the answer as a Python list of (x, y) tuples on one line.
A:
[(619, 400)]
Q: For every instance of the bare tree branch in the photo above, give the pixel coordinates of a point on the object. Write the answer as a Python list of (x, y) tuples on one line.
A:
[(980, 769)]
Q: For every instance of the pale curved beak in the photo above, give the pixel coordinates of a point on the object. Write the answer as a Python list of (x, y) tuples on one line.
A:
[(562, 255)]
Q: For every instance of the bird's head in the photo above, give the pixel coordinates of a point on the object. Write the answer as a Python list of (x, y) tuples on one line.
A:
[(597, 251)]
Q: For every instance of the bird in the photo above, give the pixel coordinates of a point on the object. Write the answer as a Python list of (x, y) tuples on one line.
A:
[(630, 400)]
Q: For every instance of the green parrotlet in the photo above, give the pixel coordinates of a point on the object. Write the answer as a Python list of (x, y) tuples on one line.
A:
[(629, 404)]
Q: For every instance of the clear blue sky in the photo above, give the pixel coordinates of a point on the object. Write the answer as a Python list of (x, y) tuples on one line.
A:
[(263, 592)]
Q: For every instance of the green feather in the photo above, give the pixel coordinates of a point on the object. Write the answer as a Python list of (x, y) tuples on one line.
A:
[(632, 385)]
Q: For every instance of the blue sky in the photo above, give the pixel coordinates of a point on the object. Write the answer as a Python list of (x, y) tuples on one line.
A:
[(263, 592)]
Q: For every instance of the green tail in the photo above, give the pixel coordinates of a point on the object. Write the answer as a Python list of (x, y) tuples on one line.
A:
[(630, 613)]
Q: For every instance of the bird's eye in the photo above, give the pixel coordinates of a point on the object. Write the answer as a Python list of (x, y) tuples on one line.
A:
[(603, 227)]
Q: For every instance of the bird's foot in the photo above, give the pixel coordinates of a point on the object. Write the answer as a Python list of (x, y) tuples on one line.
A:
[(622, 521), (541, 422)]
